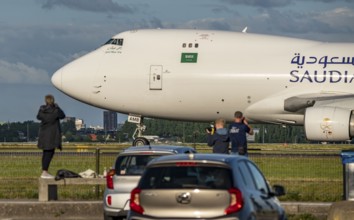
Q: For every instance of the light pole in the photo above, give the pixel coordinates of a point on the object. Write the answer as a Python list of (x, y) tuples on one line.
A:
[(27, 131)]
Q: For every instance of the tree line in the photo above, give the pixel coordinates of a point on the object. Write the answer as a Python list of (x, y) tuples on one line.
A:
[(190, 132), (173, 131)]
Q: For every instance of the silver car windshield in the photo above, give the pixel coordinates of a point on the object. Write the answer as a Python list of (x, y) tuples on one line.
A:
[(133, 164)]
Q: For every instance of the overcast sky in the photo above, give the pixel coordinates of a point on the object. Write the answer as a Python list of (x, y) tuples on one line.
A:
[(39, 36)]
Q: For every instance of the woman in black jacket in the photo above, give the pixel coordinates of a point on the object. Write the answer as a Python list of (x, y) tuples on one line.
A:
[(49, 136)]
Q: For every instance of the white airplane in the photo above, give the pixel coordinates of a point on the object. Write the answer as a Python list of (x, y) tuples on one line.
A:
[(201, 75)]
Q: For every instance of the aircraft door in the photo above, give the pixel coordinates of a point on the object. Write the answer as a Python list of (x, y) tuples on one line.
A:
[(155, 77)]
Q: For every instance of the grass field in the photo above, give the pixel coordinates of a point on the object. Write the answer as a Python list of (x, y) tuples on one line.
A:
[(309, 172), (306, 178)]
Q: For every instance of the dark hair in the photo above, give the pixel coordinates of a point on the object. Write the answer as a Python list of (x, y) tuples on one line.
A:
[(238, 114)]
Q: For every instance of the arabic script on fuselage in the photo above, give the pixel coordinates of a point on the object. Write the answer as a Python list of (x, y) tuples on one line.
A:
[(327, 72)]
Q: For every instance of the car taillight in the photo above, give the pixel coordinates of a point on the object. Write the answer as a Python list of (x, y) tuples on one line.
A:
[(135, 201), (236, 201), (109, 179), (186, 164), (109, 200)]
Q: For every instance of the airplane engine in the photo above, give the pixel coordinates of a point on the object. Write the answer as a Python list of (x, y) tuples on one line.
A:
[(329, 124)]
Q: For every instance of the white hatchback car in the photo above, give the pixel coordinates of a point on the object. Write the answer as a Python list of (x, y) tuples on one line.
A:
[(126, 173)]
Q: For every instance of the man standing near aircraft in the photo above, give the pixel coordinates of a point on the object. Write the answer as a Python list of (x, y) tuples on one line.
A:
[(237, 132), (219, 139)]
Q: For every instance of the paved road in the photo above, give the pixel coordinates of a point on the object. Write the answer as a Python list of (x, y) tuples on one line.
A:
[(92, 210), (54, 218)]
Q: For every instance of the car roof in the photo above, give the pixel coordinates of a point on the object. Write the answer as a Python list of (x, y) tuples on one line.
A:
[(165, 148), (223, 158)]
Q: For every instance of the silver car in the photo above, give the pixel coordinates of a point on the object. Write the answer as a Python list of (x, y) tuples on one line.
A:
[(204, 186), (126, 173)]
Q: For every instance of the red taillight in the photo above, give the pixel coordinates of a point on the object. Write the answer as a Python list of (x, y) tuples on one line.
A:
[(109, 200), (236, 201), (186, 164), (109, 179), (135, 201)]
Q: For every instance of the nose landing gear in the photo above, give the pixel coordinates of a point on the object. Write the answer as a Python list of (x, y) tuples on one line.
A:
[(137, 136), (139, 140)]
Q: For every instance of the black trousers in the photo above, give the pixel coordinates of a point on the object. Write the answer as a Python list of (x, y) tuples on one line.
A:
[(47, 158)]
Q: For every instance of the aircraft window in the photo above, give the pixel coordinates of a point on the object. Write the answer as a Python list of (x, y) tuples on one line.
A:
[(119, 42), (109, 41), (115, 42), (190, 45), (196, 45), (184, 45)]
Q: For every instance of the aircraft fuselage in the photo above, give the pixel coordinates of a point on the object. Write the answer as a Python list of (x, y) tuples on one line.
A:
[(202, 75)]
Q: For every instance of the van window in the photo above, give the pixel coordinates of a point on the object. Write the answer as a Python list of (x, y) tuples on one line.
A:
[(133, 164), (181, 177)]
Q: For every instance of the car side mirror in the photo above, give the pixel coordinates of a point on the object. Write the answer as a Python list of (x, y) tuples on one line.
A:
[(278, 190)]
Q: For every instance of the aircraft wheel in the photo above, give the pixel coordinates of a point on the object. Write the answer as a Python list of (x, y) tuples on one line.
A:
[(140, 141)]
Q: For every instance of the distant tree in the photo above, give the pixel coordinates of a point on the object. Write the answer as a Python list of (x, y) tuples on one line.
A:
[(68, 126), (179, 130), (280, 134), (19, 131), (69, 137), (30, 129), (173, 130), (101, 138)]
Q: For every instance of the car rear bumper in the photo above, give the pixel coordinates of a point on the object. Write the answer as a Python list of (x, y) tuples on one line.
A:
[(115, 213), (141, 218), (119, 206), (135, 216)]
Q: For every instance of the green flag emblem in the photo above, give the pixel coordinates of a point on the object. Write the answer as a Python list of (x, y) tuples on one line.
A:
[(189, 57)]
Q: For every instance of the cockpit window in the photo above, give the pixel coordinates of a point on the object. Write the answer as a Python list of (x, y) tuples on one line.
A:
[(118, 41)]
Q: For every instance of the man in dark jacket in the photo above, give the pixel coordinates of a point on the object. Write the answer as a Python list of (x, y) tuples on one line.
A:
[(238, 131), (220, 138), (49, 135)]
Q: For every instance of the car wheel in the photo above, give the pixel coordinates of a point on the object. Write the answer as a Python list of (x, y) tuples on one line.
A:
[(140, 141), (106, 217)]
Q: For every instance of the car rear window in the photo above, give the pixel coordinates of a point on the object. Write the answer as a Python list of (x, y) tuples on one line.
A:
[(181, 177), (133, 164)]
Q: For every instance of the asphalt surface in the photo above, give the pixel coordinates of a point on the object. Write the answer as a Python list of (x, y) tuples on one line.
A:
[(93, 210), (59, 210)]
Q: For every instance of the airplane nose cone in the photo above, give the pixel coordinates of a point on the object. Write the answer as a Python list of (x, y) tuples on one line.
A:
[(57, 79), (75, 78)]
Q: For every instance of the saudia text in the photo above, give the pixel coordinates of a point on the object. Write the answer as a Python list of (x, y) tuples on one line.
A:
[(323, 76)]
